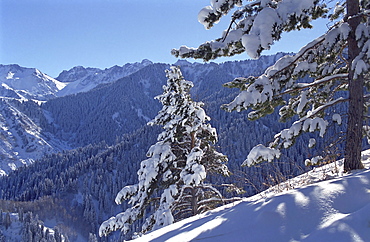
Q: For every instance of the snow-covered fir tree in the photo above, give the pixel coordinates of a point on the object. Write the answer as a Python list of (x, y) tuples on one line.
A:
[(337, 62), (172, 181)]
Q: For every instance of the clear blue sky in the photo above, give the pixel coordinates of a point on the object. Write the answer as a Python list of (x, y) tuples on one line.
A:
[(55, 35)]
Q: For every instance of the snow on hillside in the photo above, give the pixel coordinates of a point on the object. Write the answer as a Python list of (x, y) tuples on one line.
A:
[(27, 83), (21, 139), (335, 209)]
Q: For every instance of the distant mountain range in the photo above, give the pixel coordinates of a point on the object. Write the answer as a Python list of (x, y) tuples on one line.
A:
[(22, 140), (31, 83), (41, 115), (81, 79)]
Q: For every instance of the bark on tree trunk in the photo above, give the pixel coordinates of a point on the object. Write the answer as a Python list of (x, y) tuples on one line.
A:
[(192, 144), (194, 199), (352, 156)]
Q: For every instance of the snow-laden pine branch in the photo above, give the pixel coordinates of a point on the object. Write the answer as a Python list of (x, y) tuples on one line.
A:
[(305, 84)]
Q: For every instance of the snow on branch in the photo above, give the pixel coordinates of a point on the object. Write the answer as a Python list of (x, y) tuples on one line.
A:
[(286, 137), (317, 82), (211, 15), (309, 123), (120, 221), (256, 26), (330, 65), (259, 154), (267, 89), (125, 193)]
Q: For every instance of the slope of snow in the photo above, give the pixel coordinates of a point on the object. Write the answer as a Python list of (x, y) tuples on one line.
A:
[(81, 79), (21, 139), (27, 83), (335, 209)]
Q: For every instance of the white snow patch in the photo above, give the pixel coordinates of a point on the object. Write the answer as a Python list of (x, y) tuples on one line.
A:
[(337, 118), (302, 102), (115, 115), (311, 142), (313, 161), (261, 152)]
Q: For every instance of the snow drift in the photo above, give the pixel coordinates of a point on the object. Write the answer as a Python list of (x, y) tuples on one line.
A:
[(332, 210)]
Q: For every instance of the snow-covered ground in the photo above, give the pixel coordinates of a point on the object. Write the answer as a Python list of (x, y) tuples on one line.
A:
[(321, 205)]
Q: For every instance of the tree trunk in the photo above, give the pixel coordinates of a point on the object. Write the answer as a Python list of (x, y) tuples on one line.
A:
[(352, 155), (192, 144), (194, 201)]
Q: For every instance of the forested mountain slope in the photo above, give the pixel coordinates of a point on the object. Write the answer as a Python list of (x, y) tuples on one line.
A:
[(106, 126), (108, 111)]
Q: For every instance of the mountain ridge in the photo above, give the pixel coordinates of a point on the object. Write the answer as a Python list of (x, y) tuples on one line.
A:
[(81, 79), (115, 104)]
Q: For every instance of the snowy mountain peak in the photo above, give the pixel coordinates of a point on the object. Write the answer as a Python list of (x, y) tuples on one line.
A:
[(182, 63), (146, 62), (81, 79), (77, 72), (27, 83)]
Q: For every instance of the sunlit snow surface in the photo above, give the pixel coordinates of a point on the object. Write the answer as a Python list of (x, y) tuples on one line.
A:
[(321, 205), (27, 83)]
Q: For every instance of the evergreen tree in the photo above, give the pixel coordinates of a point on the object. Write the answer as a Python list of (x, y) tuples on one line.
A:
[(337, 61), (21, 214), (177, 165), (57, 235), (1, 217), (7, 221)]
